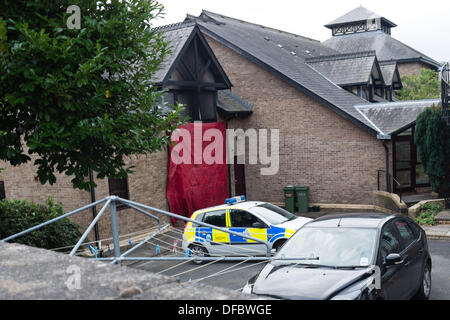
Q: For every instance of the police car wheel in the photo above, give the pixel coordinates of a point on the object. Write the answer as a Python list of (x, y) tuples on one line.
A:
[(198, 251)]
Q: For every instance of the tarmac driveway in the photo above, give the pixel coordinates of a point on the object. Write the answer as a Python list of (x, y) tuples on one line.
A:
[(440, 274)]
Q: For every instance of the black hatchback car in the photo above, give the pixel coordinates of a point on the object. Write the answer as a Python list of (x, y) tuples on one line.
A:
[(349, 257)]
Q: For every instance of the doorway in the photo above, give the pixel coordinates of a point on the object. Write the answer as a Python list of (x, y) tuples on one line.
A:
[(239, 178), (408, 169)]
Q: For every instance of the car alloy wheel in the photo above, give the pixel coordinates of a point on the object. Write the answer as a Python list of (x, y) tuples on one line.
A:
[(426, 282), (425, 287), (198, 251)]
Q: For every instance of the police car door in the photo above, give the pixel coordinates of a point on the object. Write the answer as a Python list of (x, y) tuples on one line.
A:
[(247, 223), (216, 241)]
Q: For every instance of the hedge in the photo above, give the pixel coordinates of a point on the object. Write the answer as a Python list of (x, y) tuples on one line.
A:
[(19, 215)]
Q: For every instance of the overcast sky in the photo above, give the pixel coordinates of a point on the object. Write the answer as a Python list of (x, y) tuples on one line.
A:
[(423, 25)]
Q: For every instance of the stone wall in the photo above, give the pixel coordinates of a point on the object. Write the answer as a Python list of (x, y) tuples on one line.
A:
[(390, 202), (35, 274)]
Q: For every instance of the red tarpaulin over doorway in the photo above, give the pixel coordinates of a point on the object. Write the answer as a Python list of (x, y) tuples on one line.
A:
[(192, 183)]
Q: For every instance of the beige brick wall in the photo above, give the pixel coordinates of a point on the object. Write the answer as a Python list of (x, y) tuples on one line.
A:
[(318, 148), (407, 69), (147, 185)]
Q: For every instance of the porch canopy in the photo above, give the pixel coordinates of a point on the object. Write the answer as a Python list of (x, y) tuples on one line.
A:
[(396, 121), (393, 118)]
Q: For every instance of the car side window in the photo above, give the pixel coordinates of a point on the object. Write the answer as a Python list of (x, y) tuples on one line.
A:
[(416, 229), (216, 218), (390, 243), (199, 217), (406, 233), (243, 219)]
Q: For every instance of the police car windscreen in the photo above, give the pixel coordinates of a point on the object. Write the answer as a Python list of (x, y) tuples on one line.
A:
[(275, 215), (278, 210)]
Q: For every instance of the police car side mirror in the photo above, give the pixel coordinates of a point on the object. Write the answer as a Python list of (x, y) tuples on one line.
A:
[(258, 224)]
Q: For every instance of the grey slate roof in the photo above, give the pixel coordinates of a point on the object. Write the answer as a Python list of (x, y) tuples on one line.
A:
[(388, 70), (177, 34), (390, 74), (232, 103), (387, 47), (284, 55), (358, 14), (392, 117), (265, 36), (345, 69)]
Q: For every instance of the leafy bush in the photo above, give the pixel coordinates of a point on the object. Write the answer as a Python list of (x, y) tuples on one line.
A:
[(17, 216), (427, 214)]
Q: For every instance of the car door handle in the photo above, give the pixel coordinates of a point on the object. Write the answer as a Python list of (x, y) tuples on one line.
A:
[(406, 263)]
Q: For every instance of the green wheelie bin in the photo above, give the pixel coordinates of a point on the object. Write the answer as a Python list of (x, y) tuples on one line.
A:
[(302, 195), (289, 198)]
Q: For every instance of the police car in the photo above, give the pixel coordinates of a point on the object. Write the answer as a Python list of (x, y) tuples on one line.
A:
[(259, 220)]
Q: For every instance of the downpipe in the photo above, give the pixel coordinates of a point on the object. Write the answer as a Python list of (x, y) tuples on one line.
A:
[(388, 180)]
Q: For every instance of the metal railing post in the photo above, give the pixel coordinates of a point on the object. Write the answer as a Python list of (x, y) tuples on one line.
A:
[(115, 227)]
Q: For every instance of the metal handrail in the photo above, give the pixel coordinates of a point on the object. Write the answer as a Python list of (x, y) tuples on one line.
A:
[(399, 185)]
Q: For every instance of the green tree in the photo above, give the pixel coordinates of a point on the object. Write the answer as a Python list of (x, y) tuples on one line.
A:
[(432, 137), (80, 98), (426, 85)]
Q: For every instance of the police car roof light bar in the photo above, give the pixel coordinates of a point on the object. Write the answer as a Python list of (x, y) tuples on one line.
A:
[(233, 200)]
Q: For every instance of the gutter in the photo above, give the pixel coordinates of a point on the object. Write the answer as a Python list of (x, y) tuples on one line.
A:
[(383, 138)]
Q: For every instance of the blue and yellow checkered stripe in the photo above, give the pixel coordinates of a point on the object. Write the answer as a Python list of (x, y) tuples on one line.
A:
[(270, 235)]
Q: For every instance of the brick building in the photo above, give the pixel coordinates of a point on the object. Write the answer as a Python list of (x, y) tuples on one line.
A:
[(336, 110), (338, 124)]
